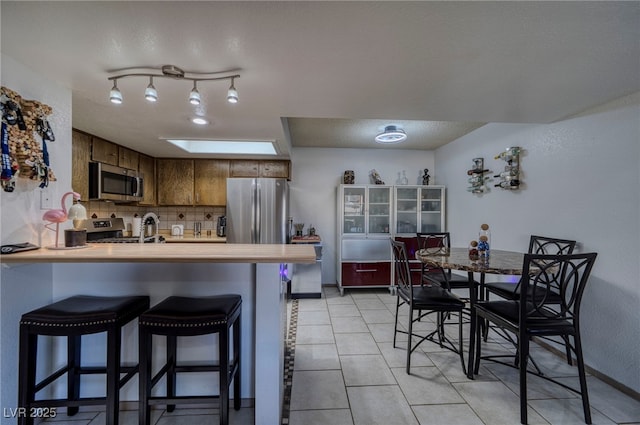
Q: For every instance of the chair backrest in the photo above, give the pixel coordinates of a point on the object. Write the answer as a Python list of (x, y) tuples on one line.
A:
[(550, 246), (434, 242), (547, 276), (402, 271), (542, 245)]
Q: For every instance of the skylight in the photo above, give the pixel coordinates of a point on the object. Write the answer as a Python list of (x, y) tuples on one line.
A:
[(253, 147)]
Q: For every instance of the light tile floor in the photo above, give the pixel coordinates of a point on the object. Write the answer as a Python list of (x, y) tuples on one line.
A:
[(346, 372)]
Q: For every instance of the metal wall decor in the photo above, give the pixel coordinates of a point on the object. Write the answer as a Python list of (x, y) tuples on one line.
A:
[(510, 177), (477, 178)]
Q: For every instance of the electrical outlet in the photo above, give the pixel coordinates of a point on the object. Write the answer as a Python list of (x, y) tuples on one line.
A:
[(46, 200)]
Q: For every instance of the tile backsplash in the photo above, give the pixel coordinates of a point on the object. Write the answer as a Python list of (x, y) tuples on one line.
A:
[(186, 216)]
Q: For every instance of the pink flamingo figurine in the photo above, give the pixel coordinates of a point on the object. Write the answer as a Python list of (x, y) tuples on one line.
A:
[(58, 216)]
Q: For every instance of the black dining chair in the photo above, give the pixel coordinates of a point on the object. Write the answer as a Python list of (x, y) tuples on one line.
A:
[(426, 300), (511, 291), (440, 242), (561, 278)]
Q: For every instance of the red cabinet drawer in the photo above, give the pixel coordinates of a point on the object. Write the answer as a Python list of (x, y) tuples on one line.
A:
[(363, 274)]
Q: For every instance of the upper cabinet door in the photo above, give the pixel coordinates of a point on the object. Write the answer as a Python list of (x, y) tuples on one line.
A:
[(104, 151), (128, 158), (211, 181), (147, 166), (81, 155), (244, 168), (419, 209), (379, 210), (275, 169), (175, 181)]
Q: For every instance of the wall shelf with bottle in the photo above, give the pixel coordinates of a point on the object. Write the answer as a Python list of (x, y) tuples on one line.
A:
[(510, 177), (477, 177)]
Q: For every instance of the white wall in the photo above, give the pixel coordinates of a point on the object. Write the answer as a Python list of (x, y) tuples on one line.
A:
[(22, 289), (581, 178), (317, 172)]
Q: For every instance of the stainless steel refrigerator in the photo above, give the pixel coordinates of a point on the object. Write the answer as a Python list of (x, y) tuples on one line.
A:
[(257, 210)]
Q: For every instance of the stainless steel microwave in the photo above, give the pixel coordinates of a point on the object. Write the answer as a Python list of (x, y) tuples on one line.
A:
[(110, 183)]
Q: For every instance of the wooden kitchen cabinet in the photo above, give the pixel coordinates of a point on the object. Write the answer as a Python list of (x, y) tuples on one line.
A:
[(80, 157), (104, 151), (128, 158), (275, 169), (174, 181), (210, 181), (147, 166), (258, 168), (244, 168)]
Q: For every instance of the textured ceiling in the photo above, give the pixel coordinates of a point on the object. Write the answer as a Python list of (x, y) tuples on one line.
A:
[(329, 67)]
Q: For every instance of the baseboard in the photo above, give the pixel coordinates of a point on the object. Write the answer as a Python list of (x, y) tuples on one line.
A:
[(306, 295), (615, 384)]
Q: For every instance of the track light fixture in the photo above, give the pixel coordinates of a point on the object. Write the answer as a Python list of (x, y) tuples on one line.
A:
[(173, 72)]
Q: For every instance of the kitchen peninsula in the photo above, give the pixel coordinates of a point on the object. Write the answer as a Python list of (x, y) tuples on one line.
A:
[(161, 270)]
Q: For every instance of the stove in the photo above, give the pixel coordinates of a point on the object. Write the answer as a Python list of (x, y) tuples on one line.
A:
[(110, 230)]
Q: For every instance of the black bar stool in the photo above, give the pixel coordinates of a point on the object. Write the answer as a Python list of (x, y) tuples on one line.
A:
[(183, 316), (74, 317)]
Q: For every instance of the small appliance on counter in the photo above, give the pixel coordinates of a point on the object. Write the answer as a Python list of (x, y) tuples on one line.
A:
[(221, 230), (177, 229)]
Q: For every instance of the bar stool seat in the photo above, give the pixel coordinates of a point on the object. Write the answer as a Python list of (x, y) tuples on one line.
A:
[(187, 316), (73, 317)]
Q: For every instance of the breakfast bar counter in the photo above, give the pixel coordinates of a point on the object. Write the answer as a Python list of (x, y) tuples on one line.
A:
[(173, 252), (31, 279)]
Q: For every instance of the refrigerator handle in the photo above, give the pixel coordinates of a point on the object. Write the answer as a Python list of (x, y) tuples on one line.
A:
[(258, 213), (253, 211)]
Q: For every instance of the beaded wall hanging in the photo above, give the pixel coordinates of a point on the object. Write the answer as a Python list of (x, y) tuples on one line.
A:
[(25, 133)]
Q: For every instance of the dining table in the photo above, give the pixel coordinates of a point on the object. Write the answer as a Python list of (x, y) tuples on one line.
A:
[(498, 262)]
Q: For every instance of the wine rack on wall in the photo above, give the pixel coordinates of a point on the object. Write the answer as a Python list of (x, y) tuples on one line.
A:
[(477, 177), (510, 177)]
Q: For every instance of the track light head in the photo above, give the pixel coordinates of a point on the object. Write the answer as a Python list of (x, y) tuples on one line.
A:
[(150, 93), (232, 94), (115, 96), (194, 96)]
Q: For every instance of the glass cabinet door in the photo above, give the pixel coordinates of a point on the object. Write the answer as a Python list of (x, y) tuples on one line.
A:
[(379, 209), (431, 210), (353, 210), (406, 210)]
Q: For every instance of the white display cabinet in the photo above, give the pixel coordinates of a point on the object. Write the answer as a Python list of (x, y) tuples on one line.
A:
[(418, 209), (364, 228), (368, 215)]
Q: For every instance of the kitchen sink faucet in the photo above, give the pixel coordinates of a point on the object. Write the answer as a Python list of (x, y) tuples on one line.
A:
[(156, 222)]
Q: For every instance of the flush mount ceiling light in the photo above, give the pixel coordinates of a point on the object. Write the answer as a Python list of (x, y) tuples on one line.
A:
[(175, 73), (391, 134)]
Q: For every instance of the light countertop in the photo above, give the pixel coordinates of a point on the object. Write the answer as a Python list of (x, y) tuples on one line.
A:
[(168, 252)]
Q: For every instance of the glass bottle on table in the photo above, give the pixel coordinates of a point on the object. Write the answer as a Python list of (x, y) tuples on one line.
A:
[(484, 241)]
